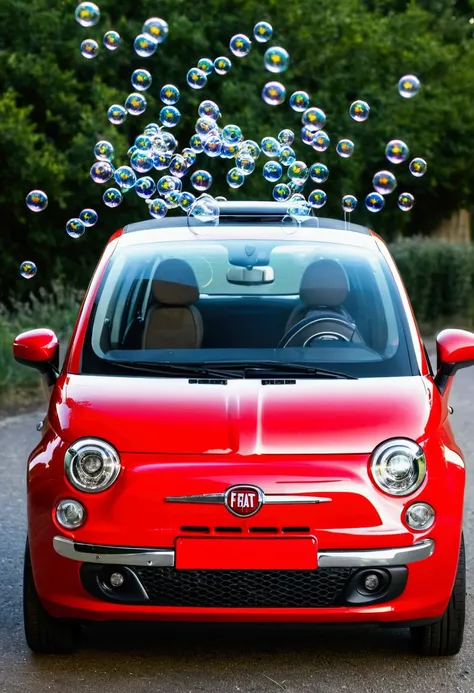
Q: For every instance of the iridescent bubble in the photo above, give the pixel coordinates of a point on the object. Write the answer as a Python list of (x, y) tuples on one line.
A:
[(169, 94), (75, 228), (287, 156), (374, 202), (186, 200), (143, 142), (235, 178), (270, 147), (232, 134), (178, 166), (298, 209), (135, 104), (281, 192), (125, 177), (286, 137), (245, 163), (252, 148), (145, 187), (141, 161), (101, 171), (359, 111), (197, 79), (87, 14), (319, 173), (408, 86), (167, 184), (345, 148), (204, 126), (141, 80), (298, 172), (28, 269), (418, 167), (104, 151), (117, 114), (161, 161), (349, 203), (262, 32), (321, 141), (112, 197), (209, 109), (151, 129), (314, 118), (204, 212), (240, 45), (37, 201), (272, 171), (169, 116), (196, 143), (89, 49), (89, 217), (276, 59), (297, 189), (157, 208), (145, 46), (384, 182), (157, 28), (213, 145), (317, 199), (229, 151), (274, 93), (201, 180), (206, 65), (222, 65), (397, 151), (112, 40), (220, 198), (169, 141), (406, 201), (299, 101), (172, 199), (132, 150), (307, 135)]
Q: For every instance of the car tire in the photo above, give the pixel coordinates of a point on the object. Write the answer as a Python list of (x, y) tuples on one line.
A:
[(444, 638), (44, 634)]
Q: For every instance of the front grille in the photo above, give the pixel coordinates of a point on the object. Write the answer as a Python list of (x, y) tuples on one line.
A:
[(244, 588)]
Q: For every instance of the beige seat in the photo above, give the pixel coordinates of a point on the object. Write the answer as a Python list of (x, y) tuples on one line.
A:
[(172, 322)]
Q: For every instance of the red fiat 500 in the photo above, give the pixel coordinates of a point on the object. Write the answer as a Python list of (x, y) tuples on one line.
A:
[(246, 427)]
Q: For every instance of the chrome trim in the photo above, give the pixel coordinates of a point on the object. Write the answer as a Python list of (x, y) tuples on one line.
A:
[(209, 498), (377, 557), (268, 499), (151, 558), (294, 500)]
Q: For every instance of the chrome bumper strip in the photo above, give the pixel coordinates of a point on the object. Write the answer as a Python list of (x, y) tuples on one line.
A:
[(164, 558), (219, 499)]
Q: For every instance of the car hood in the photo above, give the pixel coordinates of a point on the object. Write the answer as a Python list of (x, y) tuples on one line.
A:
[(245, 417)]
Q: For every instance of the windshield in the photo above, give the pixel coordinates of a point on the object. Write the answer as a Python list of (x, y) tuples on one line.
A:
[(236, 303)]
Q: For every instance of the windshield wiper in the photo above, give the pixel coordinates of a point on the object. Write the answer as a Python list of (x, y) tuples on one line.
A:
[(281, 367), (191, 370)]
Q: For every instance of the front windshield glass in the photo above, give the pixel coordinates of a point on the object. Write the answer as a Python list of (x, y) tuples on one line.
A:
[(235, 302)]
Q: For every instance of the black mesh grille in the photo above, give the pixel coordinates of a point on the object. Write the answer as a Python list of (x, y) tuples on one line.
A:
[(244, 588)]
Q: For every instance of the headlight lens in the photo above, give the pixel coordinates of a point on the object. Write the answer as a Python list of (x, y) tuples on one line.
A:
[(91, 465), (70, 514), (398, 466)]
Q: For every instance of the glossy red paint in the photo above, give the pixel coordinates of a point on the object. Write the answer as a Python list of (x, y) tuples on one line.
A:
[(36, 346), (455, 347)]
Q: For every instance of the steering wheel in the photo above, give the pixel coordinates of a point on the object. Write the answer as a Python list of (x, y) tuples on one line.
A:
[(327, 327)]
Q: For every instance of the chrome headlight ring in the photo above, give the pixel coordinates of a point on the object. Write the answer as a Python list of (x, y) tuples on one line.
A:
[(91, 465), (398, 466)]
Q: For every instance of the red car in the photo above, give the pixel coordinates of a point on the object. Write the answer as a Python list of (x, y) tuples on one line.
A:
[(246, 427)]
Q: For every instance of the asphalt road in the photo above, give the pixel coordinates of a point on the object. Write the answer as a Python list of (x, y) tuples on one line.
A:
[(218, 659)]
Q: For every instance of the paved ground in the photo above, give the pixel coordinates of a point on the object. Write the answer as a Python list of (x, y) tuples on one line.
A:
[(218, 659)]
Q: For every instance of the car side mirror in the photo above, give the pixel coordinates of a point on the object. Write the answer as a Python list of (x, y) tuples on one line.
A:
[(39, 349), (455, 350)]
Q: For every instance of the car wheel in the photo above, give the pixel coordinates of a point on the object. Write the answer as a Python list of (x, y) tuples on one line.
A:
[(44, 634), (444, 638)]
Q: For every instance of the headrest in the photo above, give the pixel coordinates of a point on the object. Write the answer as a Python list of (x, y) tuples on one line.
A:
[(324, 283), (174, 283)]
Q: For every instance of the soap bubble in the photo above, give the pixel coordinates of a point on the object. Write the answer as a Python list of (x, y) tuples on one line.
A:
[(418, 167), (235, 178), (141, 80), (206, 65), (112, 40), (317, 199), (298, 172), (186, 200), (143, 142), (161, 161), (169, 94), (89, 217), (89, 49), (201, 180), (408, 86), (125, 177), (157, 28), (178, 166), (204, 126), (406, 201), (274, 93), (270, 147), (299, 209), (229, 151), (220, 198), (252, 148), (169, 116), (209, 109), (287, 156), (197, 79), (276, 59), (307, 135), (297, 189), (299, 101), (319, 173), (281, 192), (345, 148), (262, 32), (104, 151), (349, 203), (374, 202), (145, 46), (37, 201), (359, 111), (112, 197), (167, 184), (384, 182), (135, 104), (196, 143), (272, 171), (213, 145), (87, 14), (75, 228), (396, 151), (151, 129), (286, 137), (132, 150), (321, 141), (222, 65), (172, 199), (28, 269), (145, 187), (240, 45), (204, 212), (314, 118), (157, 208), (101, 171), (141, 161), (245, 163), (232, 134), (169, 142), (117, 114)]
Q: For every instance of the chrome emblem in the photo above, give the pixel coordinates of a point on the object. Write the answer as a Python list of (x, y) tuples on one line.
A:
[(243, 501)]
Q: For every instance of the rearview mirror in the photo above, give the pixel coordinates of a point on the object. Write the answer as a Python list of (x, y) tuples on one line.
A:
[(38, 349), (455, 350), (250, 277)]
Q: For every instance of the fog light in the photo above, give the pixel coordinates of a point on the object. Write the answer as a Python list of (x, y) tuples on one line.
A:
[(371, 582), (420, 516), (117, 579), (70, 514)]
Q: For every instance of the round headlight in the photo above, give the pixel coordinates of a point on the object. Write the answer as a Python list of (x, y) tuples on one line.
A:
[(91, 465), (70, 514), (398, 466), (420, 516)]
